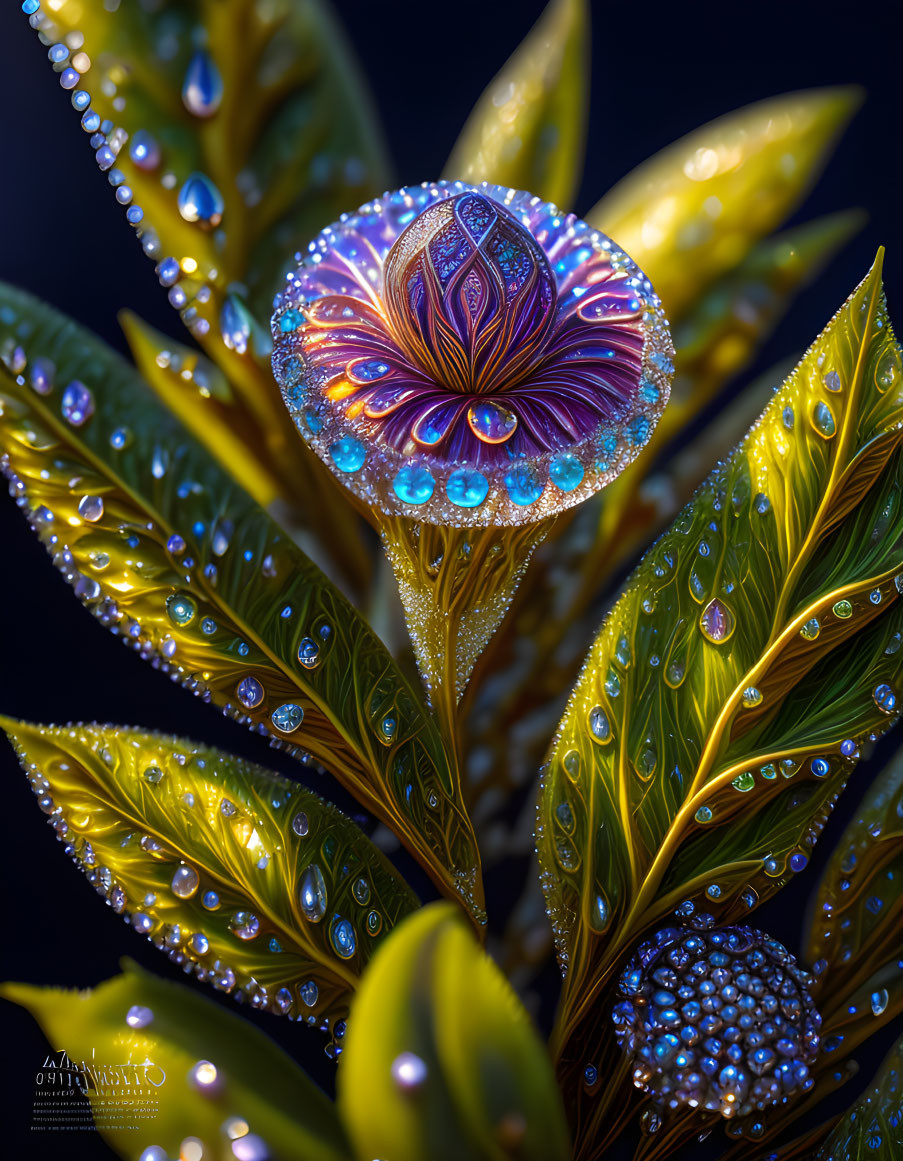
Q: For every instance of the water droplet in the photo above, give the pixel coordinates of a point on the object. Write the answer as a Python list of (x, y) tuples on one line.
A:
[(744, 782), (704, 814), (200, 201), (312, 894), (249, 692), (153, 775), (414, 484), (90, 508), (832, 381), (185, 881), (342, 937), (820, 767), (202, 88), (675, 674), (361, 891), (139, 1016), (300, 824), (490, 422), (762, 504), (885, 698), (751, 697), (236, 324), (823, 420), (887, 373), (646, 761), (287, 718), (144, 150), (717, 621), (590, 1075), (348, 454), (244, 925), (466, 488), (211, 901), (811, 629), (309, 653), (408, 1071), (612, 684), (77, 404), (878, 1001), (599, 724), (181, 609), (566, 472), (565, 815), (374, 923), (309, 993), (842, 609)]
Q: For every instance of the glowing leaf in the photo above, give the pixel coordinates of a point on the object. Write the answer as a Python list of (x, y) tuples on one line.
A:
[(854, 934), (721, 707), (873, 1127), (166, 550), (693, 211), (257, 883), (558, 605), (440, 1058), (528, 130), (232, 133), (215, 1077)]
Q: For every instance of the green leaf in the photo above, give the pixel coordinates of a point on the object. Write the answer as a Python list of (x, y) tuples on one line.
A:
[(714, 722), (440, 1058), (528, 130), (291, 145), (173, 556), (873, 1127), (136, 1029), (157, 823), (694, 210), (854, 934), (291, 142)]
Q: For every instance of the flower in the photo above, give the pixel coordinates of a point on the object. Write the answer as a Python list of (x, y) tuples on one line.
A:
[(721, 1019), (470, 355)]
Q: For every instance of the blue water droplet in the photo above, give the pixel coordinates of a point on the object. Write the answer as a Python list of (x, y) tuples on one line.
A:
[(144, 150), (524, 485), (236, 324), (885, 698), (77, 404), (367, 370), (287, 718), (200, 201), (566, 472), (348, 454), (202, 88), (467, 488), (342, 937), (414, 484), (312, 894), (249, 692), (309, 653)]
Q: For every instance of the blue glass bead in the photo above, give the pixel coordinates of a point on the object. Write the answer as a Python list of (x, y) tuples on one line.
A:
[(414, 484), (144, 150), (467, 488), (200, 201), (342, 937), (287, 718), (566, 472), (524, 486), (348, 454), (202, 88)]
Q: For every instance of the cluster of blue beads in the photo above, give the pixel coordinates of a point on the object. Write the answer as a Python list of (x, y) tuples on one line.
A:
[(721, 1019)]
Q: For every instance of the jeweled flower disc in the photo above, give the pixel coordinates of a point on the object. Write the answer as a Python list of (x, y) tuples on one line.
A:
[(470, 355)]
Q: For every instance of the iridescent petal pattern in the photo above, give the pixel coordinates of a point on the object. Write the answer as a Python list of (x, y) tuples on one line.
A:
[(470, 355)]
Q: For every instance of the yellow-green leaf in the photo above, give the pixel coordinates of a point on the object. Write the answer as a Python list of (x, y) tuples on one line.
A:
[(213, 1076), (256, 883), (528, 130), (165, 549), (722, 705), (693, 211), (288, 139), (854, 935), (440, 1058), (873, 1127)]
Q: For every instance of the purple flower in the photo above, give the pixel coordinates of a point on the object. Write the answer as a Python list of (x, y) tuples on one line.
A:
[(469, 355)]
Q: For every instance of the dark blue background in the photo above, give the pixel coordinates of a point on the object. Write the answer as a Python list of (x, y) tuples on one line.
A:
[(660, 70)]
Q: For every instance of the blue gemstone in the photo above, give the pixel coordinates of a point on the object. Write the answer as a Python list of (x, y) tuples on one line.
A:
[(798, 862), (135, 214), (202, 89), (81, 100), (287, 717), (524, 486), (29, 7), (348, 454), (566, 472), (235, 324), (91, 122), (820, 767), (414, 484), (591, 1074), (467, 488), (368, 370), (200, 200), (638, 430)]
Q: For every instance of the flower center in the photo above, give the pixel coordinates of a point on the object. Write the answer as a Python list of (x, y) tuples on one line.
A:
[(470, 298)]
